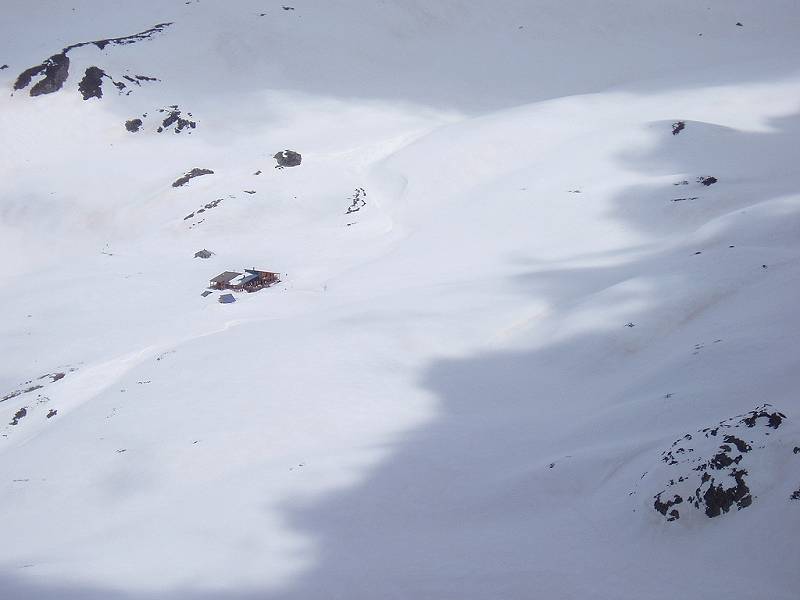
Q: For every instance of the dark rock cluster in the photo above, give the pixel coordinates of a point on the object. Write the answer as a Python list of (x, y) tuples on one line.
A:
[(175, 120), (711, 466), (32, 385), (203, 209), (357, 201)]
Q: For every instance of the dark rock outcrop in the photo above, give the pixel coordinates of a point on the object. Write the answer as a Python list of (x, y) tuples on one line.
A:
[(133, 125), (55, 70), (288, 158), (708, 470), (91, 86), (18, 416), (191, 175)]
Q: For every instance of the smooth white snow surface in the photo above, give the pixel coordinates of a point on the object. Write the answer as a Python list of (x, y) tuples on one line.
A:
[(461, 390)]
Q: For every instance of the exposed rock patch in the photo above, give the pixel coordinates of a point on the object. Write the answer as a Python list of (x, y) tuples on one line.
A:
[(191, 175), (175, 120), (288, 158), (203, 209), (18, 416), (357, 201), (203, 254), (707, 181), (710, 470), (91, 86), (677, 127), (33, 385), (54, 71), (133, 125)]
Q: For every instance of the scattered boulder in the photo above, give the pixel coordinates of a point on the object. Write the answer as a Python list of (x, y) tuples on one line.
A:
[(203, 254), (707, 181), (677, 127), (51, 413), (288, 158), (191, 175), (18, 416), (3, 67), (133, 125)]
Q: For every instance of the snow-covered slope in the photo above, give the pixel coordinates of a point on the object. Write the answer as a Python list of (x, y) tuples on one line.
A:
[(535, 334)]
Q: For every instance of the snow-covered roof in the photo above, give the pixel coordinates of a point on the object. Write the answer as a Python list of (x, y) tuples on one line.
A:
[(225, 277), (243, 279)]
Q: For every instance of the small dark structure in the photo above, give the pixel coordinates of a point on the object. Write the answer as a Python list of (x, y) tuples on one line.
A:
[(288, 158), (203, 254), (227, 299), (251, 280)]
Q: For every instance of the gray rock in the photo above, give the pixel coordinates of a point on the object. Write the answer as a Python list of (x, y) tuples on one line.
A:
[(288, 158)]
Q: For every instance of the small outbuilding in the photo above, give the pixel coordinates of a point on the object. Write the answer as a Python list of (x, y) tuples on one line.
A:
[(227, 299)]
